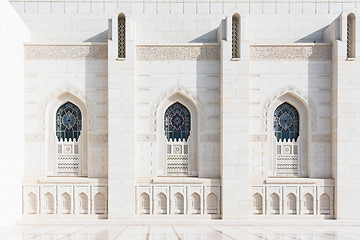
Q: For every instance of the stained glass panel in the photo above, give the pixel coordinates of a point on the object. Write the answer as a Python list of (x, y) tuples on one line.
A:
[(286, 122), (68, 122), (177, 124)]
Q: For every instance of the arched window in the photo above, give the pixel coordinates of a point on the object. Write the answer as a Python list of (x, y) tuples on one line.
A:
[(308, 204), (291, 204), (121, 36), (274, 204), (65, 203), (350, 38), (99, 203), (257, 204), (324, 204), (195, 206), (177, 127), (68, 131), (31, 203), (83, 203), (161, 204), (211, 204), (144, 203), (49, 203), (286, 129), (179, 203), (236, 36)]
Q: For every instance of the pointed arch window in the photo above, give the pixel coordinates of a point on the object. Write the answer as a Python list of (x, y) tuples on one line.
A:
[(286, 130), (121, 36), (350, 38), (177, 128), (236, 36), (68, 135)]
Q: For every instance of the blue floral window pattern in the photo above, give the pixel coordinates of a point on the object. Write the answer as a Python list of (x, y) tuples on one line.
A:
[(286, 122), (177, 124), (68, 122)]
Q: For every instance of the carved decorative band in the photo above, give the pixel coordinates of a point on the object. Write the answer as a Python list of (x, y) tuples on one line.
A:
[(66, 52), (182, 53), (305, 53)]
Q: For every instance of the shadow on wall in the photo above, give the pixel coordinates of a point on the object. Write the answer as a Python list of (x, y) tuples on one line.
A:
[(315, 37), (96, 95), (209, 37), (319, 77), (100, 37)]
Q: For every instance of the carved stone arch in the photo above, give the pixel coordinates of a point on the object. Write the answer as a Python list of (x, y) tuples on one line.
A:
[(343, 22), (115, 15), (83, 203), (49, 203), (72, 92), (53, 102), (257, 203), (300, 96), (164, 102), (301, 145), (212, 203), (161, 203), (99, 203), (172, 92), (144, 203)]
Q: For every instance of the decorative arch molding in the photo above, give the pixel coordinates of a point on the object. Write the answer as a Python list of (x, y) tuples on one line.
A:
[(300, 148), (75, 94), (178, 90), (50, 106), (343, 21), (298, 94)]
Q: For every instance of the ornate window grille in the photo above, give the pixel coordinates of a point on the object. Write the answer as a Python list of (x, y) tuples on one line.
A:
[(350, 40), (235, 36), (121, 36), (286, 128), (68, 130), (177, 126)]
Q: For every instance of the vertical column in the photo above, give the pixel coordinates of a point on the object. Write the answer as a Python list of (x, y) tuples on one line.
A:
[(345, 121), (234, 126), (121, 123)]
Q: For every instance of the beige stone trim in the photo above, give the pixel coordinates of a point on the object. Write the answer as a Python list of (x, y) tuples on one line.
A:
[(299, 52), (177, 52), (98, 137), (258, 138), (75, 52), (321, 138), (34, 137), (146, 137)]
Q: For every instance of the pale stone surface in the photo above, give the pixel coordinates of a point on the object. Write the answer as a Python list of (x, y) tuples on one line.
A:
[(179, 231), (293, 52), (13, 34)]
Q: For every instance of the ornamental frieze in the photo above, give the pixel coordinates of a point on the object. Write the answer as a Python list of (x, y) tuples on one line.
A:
[(291, 52)]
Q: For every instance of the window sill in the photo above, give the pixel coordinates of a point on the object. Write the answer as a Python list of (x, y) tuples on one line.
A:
[(235, 59), (350, 59), (120, 59)]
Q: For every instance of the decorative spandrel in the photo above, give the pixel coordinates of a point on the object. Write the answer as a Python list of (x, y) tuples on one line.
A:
[(68, 122), (286, 122), (177, 124)]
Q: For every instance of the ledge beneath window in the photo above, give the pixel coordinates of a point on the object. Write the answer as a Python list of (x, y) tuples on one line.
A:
[(297, 180), (235, 59), (120, 59), (65, 180), (350, 59), (182, 180)]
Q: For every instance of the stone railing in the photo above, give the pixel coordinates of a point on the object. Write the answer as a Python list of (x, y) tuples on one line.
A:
[(65, 197)]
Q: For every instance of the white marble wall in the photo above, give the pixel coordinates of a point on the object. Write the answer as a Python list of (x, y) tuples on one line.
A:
[(86, 198), (54, 75), (13, 34), (178, 52)]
